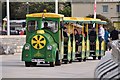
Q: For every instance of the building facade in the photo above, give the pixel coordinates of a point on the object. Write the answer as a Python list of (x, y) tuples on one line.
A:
[(107, 8)]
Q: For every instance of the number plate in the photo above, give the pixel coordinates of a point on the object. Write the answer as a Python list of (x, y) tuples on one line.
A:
[(37, 60)]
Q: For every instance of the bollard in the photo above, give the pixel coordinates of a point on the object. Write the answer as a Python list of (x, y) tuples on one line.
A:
[(109, 66)]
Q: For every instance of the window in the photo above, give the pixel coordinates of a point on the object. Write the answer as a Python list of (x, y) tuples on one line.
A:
[(118, 8), (105, 8), (50, 25), (32, 26)]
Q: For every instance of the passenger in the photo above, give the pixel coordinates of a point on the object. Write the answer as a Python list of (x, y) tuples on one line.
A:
[(101, 33), (77, 38), (65, 32), (92, 37), (106, 37), (80, 34), (65, 40)]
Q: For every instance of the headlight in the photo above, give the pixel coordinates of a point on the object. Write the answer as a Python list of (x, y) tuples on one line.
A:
[(49, 47), (27, 47)]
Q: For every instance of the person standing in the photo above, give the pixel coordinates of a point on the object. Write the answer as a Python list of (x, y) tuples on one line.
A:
[(114, 34), (101, 33), (106, 37)]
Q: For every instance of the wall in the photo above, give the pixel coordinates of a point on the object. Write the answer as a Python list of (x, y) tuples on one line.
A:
[(13, 43)]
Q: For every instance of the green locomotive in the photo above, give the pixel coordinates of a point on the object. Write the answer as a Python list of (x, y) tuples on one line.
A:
[(43, 39)]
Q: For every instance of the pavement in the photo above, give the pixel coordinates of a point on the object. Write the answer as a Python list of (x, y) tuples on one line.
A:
[(13, 67)]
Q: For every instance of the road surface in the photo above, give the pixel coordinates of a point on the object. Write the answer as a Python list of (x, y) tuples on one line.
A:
[(13, 67)]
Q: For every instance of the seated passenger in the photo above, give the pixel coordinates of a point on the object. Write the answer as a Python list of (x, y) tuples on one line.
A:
[(77, 38), (92, 35), (65, 35)]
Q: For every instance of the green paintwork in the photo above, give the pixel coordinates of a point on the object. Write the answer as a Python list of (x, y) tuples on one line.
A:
[(83, 47), (52, 39), (97, 47), (73, 48), (87, 47), (69, 49)]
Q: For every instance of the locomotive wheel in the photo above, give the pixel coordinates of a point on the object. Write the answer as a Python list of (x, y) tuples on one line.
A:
[(84, 59), (94, 57), (34, 63), (58, 62), (27, 64), (52, 64), (99, 57)]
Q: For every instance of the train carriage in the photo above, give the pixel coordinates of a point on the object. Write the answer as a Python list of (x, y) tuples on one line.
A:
[(78, 48), (96, 50), (43, 39), (70, 50)]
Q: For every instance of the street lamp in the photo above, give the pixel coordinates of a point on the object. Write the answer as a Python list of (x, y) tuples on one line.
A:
[(27, 7), (8, 18), (56, 6)]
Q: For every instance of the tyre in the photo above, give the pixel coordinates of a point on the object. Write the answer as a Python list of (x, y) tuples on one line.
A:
[(80, 60), (84, 59), (58, 62), (99, 57), (34, 63), (52, 64), (94, 57), (66, 62), (70, 61), (27, 64)]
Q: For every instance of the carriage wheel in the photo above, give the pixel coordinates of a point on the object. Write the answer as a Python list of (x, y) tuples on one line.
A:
[(99, 57), (84, 59), (52, 64), (66, 61), (58, 62), (79, 59), (94, 57), (38, 42), (70, 61)]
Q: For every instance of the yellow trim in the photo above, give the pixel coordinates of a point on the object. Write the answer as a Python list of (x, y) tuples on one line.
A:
[(70, 18), (40, 31), (48, 15)]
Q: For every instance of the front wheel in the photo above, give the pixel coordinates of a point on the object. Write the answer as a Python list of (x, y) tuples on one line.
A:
[(52, 64), (27, 64), (34, 63)]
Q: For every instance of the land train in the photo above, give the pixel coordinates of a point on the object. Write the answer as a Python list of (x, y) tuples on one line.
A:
[(46, 43)]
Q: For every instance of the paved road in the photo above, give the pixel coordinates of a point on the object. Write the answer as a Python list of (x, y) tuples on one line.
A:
[(13, 67)]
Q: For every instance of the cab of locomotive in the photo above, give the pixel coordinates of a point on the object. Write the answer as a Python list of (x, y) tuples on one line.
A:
[(42, 39)]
